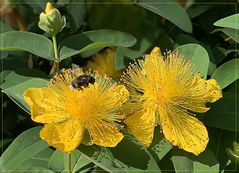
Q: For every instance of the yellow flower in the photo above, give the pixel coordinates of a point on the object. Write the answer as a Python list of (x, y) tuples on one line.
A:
[(104, 63), (49, 7), (67, 110), (166, 91)]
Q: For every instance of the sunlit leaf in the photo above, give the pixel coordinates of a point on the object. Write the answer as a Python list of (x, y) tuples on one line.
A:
[(94, 39), (197, 55), (170, 10), (27, 41), (21, 75), (24, 147), (227, 73), (58, 158), (229, 22)]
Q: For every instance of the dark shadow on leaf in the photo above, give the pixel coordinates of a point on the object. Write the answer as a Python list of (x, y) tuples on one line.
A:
[(131, 153)]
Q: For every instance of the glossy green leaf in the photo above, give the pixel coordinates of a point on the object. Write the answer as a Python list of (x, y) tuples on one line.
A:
[(16, 92), (115, 160), (94, 39), (26, 41), (57, 161), (229, 22), (37, 163), (160, 146), (227, 73), (21, 75), (170, 10), (223, 113), (24, 147), (197, 55)]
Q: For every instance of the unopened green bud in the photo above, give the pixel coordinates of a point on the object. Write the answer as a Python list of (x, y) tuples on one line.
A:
[(51, 20)]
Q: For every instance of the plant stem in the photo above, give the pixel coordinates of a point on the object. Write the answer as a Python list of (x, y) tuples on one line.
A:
[(55, 66), (68, 163)]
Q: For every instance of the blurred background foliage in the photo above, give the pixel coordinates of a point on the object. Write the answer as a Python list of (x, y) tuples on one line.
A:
[(196, 28)]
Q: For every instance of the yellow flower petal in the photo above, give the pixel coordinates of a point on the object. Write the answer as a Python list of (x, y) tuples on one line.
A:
[(198, 94), (46, 105), (104, 133), (65, 136), (104, 63), (141, 124), (48, 8), (212, 91), (117, 93), (184, 131)]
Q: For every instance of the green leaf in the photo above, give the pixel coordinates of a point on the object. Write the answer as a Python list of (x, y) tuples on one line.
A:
[(3, 76), (39, 161), (197, 55), (206, 162), (127, 156), (223, 113), (184, 162), (24, 147), (160, 146), (196, 10), (219, 140), (57, 161), (219, 54), (21, 75), (94, 39), (16, 92), (229, 22), (27, 41), (36, 169), (143, 44), (15, 60), (76, 13), (233, 33), (170, 10), (227, 73)]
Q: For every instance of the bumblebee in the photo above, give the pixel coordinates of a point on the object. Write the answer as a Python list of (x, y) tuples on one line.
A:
[(82, 81)]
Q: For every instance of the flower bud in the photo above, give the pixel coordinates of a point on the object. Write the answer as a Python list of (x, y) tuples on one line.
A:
[(51, 21)]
